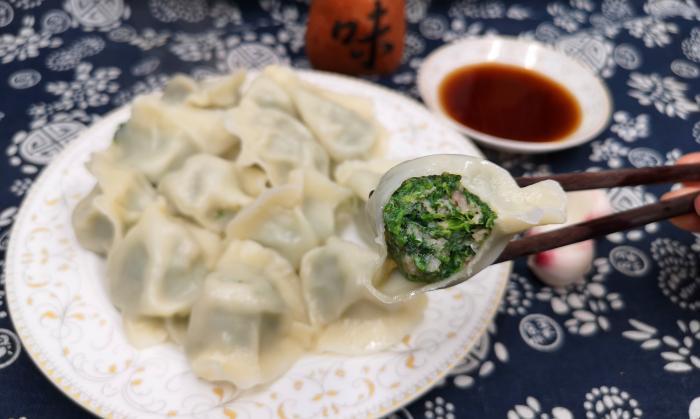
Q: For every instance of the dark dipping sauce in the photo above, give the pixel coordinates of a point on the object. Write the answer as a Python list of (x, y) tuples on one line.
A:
[(510, 102)]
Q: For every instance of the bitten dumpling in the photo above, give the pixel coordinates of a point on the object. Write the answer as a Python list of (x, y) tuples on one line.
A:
[(443, 218), (249, 325), (157, 269), (352, 319), (205, 189)]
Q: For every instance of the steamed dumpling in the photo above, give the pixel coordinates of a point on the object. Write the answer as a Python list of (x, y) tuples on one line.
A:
[(274, 141), (354, 321), (362, 176), (214, 92), (206, 189), (344, 132), (321, 198), (116, 202), (513, 210), (159, 136), (249, 324), (266, 93), (157, 269), (276, 220)]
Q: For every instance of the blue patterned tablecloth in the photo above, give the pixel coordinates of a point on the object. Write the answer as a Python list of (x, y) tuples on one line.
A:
[(625, 344)]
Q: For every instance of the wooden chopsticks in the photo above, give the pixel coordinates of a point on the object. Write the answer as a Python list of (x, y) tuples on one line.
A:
[(615, 222)]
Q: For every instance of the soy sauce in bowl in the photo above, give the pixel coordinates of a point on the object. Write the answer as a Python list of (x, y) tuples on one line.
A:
[(509, 102)]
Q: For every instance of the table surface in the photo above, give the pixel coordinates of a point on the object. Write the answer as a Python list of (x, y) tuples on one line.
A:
[(623, 344)]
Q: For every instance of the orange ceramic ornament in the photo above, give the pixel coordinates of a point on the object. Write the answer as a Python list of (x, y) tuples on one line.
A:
[(356, 36)]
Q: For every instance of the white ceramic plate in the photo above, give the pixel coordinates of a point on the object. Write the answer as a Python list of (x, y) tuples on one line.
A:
[(590, 92), (60, 308)]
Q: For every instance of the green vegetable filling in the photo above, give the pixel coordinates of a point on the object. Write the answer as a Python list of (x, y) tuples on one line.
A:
[(434, 226)]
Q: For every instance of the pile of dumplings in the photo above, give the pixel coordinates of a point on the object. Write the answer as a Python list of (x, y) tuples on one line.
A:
[(218, 206)]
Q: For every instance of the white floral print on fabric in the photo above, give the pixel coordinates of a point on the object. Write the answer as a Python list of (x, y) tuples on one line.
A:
[(630, 128), (26, 4), (696, 132), (89, 89), (97, 14), (174, 10), (679, 277), (666, 94), (479, 362), (20, 186), (145, 66), (685, 69), (69, 57), (9, 347), (654, 32), (26, 44), (586, 305), (645, 157), (148, 39), (610, 152), (629, 261), (56, 21), (628, 197), (439, 409), (48, 136), (611, 403), (24, 79), (680, 352), (7, 13), (149, 84), (691, 46), (533, 409), (566, 18), (541, 332), (518, 296)]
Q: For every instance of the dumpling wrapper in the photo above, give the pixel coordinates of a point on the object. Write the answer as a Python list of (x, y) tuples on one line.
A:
[(248, 325), (352, 319), (517, 209), (157, 269)]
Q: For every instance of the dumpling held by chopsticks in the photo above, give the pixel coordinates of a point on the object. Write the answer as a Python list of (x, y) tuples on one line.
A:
[(441, 219)]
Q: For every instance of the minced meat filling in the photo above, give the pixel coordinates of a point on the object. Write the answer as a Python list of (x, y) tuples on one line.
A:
[(434, 226)]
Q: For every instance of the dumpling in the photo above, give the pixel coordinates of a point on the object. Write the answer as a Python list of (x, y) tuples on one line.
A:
[(274, 141), (266, 93), (322, 197), (206, 189), (344, 132), (214, 92), (276, 220), (253, 179), (354, 321), (176, 327), (116, 202), (96, 223), (143, 332), (362, 176), (148, 142), (159, 136), (248, 326), (443, 218), (157, 269)]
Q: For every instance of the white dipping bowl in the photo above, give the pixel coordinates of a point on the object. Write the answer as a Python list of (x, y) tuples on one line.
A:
[(590, 92)]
